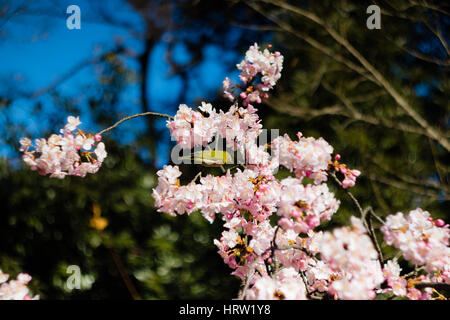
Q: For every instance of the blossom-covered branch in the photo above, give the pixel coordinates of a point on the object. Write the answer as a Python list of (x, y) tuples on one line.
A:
[(271, 238), (274, 261)]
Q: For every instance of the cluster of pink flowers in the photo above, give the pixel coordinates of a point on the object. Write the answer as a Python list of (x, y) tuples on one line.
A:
[(266, 65), (303, 256), (400, 286), (71, 152), (350, 175), (422, 241), (270, 238), (15, 289), (307, 157), (291, 259), (311, 158), (247, 198), (304, 207), (349, 253), (287, 285), (191, 128), (253, 191)]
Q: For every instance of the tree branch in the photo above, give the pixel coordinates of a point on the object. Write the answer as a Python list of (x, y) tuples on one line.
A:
[(135, 116), (315, 44), (365, 219), (371, 69)]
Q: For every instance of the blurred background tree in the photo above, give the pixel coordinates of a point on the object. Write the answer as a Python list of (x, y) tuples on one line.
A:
[(380, 97)]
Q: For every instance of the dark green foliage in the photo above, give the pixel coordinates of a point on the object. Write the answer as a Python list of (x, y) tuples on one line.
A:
[(44, 227)]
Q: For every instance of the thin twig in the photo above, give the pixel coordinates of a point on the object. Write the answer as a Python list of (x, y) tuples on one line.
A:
[(361, 211), (126, 279), (373, 236), (440, 286), (401, 101), (305, 281), (195, 178), (365, 219), (315, 44), (378, 196), (246, 284), (135, 116), (272, 248), (413, 273), (296, 246)]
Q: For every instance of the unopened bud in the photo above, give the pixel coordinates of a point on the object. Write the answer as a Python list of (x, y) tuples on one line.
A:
[(439, 222)]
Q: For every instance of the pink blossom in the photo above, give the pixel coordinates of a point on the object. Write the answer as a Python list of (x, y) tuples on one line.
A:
[(15, 289), (307, 157), (286, 285), (349, 251), (189, 128), (419, 240), (304, 207), (226, 87), (264, 63), (68, 153)]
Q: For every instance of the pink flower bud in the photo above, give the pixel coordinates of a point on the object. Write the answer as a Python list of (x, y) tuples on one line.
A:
[(337, 157), (356, 173), (243, 95), (98, 137), (347, 183), (439, 222), (295, 214), (313, 222)]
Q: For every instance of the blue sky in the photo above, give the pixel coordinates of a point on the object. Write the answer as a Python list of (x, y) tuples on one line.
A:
[(38, 48)]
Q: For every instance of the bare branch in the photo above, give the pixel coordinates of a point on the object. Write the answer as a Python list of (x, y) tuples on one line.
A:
[(337, 110), (404, 186), (314, 43), (433, 133), (365, 217), (72, 72), (135, 116), (440, 286)]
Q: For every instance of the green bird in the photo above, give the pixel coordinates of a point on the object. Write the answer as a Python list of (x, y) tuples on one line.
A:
[(211, 158)]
